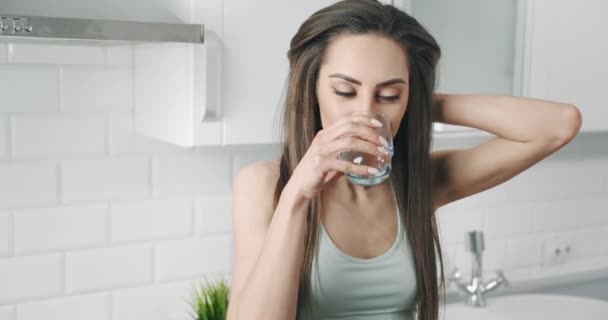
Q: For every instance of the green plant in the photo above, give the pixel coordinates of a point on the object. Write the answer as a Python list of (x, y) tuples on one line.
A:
[(211, 301)]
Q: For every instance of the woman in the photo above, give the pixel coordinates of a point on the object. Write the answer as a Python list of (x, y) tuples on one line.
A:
[(311, 245)]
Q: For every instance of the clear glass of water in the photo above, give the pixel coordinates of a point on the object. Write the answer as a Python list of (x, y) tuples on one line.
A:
[(383, 164)]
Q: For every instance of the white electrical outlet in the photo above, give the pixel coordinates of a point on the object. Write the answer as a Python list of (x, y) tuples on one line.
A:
[(556, 250)]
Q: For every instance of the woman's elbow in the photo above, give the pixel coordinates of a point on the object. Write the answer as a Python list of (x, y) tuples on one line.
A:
[(570, 125)]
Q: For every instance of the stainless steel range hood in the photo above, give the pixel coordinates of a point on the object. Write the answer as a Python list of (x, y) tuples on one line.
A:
[(20, 26)]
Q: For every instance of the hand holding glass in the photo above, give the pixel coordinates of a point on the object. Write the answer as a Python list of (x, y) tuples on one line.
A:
[(381, 164)]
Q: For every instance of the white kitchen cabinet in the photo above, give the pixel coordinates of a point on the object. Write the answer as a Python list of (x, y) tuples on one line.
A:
[(480, 48), (178, 87), (546, 49), (567, 56), (256, 38)]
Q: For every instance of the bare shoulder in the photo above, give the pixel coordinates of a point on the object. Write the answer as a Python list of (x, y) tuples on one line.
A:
[(261, 174), (252, 211), (253, 189)]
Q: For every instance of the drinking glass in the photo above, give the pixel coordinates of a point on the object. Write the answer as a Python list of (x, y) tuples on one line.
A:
[(382, 163)]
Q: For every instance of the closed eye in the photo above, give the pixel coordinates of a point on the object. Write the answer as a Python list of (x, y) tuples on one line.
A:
[(390, 98), (345, 94), (352, 94)]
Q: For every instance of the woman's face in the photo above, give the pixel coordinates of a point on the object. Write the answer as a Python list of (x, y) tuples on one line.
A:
[(363, 73)]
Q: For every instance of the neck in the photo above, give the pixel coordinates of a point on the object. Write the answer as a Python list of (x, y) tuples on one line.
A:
[(343, 188)]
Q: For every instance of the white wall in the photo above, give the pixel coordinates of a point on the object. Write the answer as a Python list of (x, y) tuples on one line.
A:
[(563, 196), (97, 219), (97, 222), (94, 219)]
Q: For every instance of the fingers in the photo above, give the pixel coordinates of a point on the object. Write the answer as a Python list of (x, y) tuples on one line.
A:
[(359, 125), (358, 118), (357, 133), (347, 167), (350, 143), (332, 175)]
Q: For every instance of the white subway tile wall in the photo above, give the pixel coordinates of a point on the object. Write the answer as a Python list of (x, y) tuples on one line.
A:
[(7, 313), (112, 178), (34, 276), (59, 228), (124, 141), (192, 174), (213, 214), (454, 223), (88, 270), (85, 88), (186, 259), (119, 55), (39, 136), (523, 251), (158, 302), (164, 218), (33, 88), (90, 306), (99, 222), (27, 183), (60, 54), (5, 233), (4, 137)]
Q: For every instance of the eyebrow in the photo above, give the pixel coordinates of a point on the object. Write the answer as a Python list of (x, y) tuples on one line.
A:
[(357, 82)]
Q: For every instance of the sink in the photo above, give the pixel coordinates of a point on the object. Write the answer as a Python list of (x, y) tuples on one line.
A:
[(528, 307)]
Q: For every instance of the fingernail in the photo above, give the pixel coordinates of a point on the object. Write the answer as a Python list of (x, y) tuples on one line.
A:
[(376, 122), (384, 142), (373, 171), (383, 150)]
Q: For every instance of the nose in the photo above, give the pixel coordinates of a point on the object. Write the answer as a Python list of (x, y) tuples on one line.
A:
[(368, 103)]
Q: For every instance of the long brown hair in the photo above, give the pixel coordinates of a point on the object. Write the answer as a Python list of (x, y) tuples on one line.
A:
[(412, 175)]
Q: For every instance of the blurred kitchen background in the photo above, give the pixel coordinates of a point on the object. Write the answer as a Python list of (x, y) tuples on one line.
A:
[(115, 198)]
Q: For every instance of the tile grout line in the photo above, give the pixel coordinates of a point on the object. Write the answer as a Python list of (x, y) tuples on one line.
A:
[(59, 193), (108, 134), (9, 133), (152, 176), (64, 274), (195, 219), (11, 232), (109, 240), (60, 89), (111, 303), (154, 263)]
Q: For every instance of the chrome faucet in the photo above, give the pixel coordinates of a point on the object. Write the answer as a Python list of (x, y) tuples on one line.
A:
[(474, 290)]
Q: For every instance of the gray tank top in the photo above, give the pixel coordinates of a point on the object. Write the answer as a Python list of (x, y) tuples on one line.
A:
[(379, 288)]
